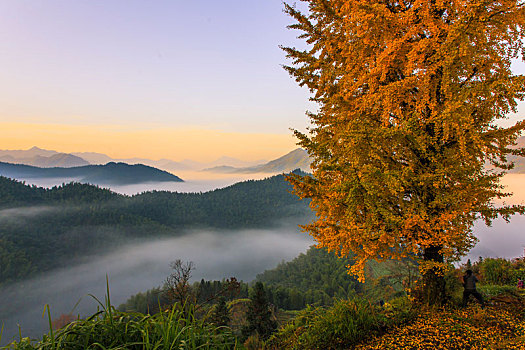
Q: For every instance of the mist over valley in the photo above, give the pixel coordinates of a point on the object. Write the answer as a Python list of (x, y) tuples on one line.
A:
[(139, 266), (193, 182), (61, 242)]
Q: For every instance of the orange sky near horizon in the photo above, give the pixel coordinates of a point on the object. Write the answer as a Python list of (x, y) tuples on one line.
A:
[(146, 142)]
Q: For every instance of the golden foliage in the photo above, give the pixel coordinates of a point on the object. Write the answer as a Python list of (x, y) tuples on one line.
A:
[(409, 94)]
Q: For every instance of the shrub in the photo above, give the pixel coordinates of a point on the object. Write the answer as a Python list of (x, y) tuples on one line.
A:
[(494, 290), (341, 326), (497, 271)]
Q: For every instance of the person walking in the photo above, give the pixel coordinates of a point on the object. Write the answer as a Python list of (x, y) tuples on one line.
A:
[(520, 283), (469, 285)]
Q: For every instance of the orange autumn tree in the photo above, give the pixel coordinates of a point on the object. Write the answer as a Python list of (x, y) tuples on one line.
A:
[(406, 145)]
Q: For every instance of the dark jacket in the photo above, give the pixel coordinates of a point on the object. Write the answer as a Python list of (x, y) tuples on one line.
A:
[(469, 282)]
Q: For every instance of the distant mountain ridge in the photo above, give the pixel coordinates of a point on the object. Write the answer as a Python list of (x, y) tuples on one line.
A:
[(42, 158), (165, 164), (63, 160), (100, 159), (47, 158), (297, 159), (110, 174), (29, 153)]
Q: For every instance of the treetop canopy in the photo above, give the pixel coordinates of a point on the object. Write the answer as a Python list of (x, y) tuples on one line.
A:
[(410, 94)]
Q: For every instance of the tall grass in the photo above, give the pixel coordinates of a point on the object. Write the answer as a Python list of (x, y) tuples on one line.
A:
[(174, 328)]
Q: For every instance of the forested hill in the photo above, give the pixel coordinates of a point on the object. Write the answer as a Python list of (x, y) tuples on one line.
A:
[(315, 277), (314, 269), (110, 173), (40, 229), (17, 193)]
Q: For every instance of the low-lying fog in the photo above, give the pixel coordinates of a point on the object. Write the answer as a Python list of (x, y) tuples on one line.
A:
[(136, 268), (193, 182), (17, 215), (504, 240), (217, 255)]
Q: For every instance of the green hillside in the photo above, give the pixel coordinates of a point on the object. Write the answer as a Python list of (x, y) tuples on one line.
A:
[(313, 278)]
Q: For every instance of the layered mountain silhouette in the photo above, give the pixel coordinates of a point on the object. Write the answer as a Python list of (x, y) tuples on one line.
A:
[(46, 158), (29, 153), (42, 158), (297, 159), (110, 174), (100, 158), (165, 164)]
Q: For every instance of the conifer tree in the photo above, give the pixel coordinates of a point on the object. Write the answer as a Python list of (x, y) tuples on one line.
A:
[(407, 148), (259, 317), (468, 266), (221, 314)]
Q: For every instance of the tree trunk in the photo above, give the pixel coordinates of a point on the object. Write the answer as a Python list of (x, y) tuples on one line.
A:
[(433, 292)]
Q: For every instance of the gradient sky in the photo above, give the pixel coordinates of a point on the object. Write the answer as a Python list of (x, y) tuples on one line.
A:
[(158, 79), (148, 76)]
